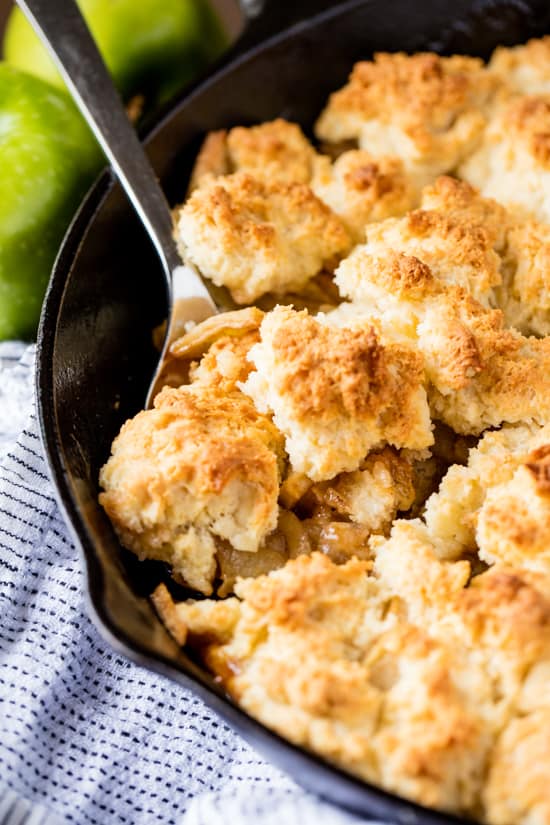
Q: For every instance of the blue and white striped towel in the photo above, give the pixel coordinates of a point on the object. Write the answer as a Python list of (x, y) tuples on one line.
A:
[(85, 736)]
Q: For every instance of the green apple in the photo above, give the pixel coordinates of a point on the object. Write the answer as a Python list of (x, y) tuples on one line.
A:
[(48, 159), (149, 46)]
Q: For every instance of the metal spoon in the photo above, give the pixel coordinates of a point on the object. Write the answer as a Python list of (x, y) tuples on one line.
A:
[(67, 37)]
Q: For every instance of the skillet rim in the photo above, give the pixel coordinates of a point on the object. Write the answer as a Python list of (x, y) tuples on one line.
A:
[(307, 768)]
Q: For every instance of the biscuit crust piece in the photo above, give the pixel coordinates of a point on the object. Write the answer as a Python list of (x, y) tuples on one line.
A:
[(512, 163), (357, 186), (273, 151), (410, 676), (255, 237), (336, 395), (452, 513), (474, 242), (521, 762), (480, 374), (425, 109), (362, 188), (373, 692), (202, 465), (525, 295), (525, 68), (460, 202), (457, 233), (513, 524)]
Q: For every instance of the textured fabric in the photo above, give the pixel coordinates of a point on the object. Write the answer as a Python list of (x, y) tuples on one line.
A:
[(16, 387), (86, 736)]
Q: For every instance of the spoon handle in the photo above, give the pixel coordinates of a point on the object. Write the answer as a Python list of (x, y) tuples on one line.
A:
[(67, 37)]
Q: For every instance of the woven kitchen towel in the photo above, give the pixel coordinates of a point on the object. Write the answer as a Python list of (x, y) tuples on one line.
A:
[(85, 736)]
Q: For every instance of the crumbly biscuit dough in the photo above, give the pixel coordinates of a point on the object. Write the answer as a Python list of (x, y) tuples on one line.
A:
[(255, 237), (425, 109), (513, 384), (460, 202), (524, 69), (201, 465), (226, 363), (457, 233), (452, 512), (480, 373), (522, 287), (525, 295), (357, 186), (336, 395), (513, 524), (276, 150), (406, 675), (474, 242), (512, 163), (362, 188), (364, 676), (521, 762)]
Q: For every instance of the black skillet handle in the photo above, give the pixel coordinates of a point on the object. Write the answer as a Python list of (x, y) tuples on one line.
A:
[(268, 17)]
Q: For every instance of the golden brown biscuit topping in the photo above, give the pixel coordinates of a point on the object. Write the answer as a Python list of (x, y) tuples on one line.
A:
[(358, 465), (538, 464)]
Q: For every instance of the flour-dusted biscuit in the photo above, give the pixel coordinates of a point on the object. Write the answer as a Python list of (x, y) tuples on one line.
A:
[(372, 693), (517, 782), (357, 186), (512, 163), (432, 741), (480, 373), (408, 566), (255, 237), (525, 68), (459, 201), (410, 676), (474, 242), (498, 623), (512, 385), (202, 465), (277, 150), (500, 619), (453, 511), (457, 233), (335, 394), (525, 295), (408, 303), (273, 151), (503, 620), (425, 109), (317, 654), (513, 523), (362, 188)]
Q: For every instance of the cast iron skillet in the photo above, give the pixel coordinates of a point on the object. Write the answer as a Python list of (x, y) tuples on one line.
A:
[(95, 356)]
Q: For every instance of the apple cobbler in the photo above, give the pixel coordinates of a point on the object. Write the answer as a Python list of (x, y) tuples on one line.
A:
[(352, 470)]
